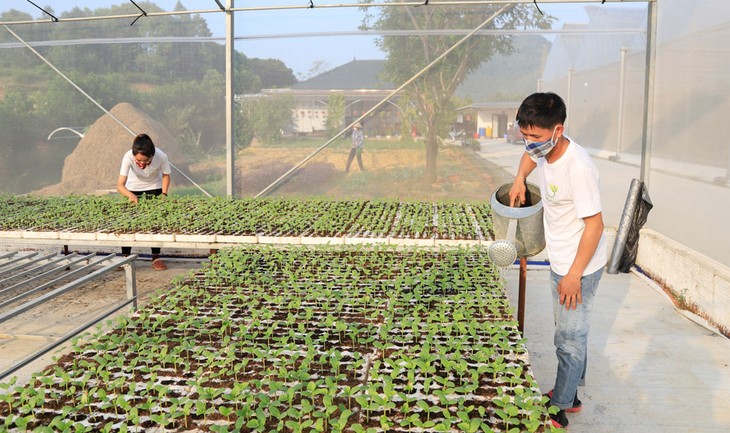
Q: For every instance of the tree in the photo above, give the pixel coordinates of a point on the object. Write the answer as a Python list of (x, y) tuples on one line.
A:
[(273, 72), (335, 114), (407, 55), (245, 81), (192, 108), (51, 103), (267, 116)]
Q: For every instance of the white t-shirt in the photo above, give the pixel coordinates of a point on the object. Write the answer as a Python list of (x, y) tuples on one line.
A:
[(148, 178), (570, 192)]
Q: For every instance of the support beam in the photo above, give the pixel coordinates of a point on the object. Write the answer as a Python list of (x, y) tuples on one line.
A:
[(649, 80), (230, 104)]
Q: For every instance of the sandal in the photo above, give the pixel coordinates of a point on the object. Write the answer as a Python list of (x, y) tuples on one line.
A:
[(158, 265)]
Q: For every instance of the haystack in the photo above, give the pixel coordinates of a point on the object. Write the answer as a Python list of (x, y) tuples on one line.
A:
[(93, 167)]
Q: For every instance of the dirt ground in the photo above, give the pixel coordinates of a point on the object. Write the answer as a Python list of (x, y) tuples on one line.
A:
[(389, 173)]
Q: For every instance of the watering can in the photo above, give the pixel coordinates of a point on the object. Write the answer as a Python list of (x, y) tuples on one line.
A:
[(518, 231)]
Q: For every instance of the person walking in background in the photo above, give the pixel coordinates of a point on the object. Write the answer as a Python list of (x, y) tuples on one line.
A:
[(576, 246), (358, 139), (145, 172)]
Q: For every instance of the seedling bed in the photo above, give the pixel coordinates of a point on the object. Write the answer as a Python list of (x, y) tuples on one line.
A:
[(270, 217), (301, 339)]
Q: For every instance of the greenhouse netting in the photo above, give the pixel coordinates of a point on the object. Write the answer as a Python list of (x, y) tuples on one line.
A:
[(436, 126)]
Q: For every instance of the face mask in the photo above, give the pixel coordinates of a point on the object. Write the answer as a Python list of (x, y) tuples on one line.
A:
[(540, 149)]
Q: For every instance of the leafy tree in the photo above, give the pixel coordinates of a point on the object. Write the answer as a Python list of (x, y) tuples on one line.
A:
[(335, 114), (245, 81), (16, 114), (52, 103), (273, 72), (243, 129), (16, 111), (192, 107), (432, 92), (268, 116), (19, 58)]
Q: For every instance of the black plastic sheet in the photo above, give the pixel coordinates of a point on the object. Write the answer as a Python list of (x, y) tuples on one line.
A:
[(636, 211)]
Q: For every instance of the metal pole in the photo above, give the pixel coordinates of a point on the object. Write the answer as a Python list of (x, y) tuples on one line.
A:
[(130, 277), (649, 91), (17, 366), (621, 91), (521, 295), (569, 101), (230, 104), (303, 5)]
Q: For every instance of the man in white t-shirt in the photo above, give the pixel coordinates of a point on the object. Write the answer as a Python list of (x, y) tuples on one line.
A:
[(145, 172), (576, 246)]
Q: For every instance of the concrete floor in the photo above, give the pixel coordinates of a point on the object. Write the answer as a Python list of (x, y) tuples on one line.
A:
[(651, 369)]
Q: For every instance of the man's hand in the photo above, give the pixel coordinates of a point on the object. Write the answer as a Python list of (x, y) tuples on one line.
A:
[(517, 193), (569, 292), (133, 198)]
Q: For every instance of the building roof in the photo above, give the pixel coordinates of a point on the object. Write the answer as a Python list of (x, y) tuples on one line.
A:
[(355, 75)]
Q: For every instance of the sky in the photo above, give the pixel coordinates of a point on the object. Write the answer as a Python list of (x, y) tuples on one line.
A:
[(304, 55)]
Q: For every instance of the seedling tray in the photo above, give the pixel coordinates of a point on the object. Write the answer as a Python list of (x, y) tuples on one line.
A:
[(336, 339)]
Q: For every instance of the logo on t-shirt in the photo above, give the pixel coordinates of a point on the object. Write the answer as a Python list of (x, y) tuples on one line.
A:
[(552, 190)]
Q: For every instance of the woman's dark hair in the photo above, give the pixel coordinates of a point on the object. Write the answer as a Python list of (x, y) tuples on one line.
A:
[(542, 110), (143, 144)]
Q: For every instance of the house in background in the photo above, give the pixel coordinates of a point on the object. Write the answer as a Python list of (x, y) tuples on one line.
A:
[(359, 83), (489, 93), (491, 119)]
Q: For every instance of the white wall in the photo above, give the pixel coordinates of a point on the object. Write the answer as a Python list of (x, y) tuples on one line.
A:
[(697, 281)]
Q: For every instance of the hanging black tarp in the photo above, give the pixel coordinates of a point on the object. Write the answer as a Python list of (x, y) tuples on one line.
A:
[(636, 210)]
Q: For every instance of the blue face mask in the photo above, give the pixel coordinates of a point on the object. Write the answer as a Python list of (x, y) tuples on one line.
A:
[(540, 149)]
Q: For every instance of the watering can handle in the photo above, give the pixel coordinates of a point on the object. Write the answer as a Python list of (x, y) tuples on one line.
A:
[(512, 231), (512, 227)]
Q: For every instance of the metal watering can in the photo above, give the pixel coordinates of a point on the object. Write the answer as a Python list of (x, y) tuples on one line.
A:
[(518, 231)]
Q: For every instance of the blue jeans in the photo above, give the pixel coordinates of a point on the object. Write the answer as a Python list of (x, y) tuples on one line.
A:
[(571, 339)]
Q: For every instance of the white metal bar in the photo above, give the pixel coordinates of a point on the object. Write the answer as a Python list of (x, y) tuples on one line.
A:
[(49, 283), (46, 274), (6, 255), (432, 3), (59, 258), (365, 33), (649, 78), (25, 265), (18, 259), (621, 91), (230, 103), (17, 366), (61, 290), (130, 282)]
